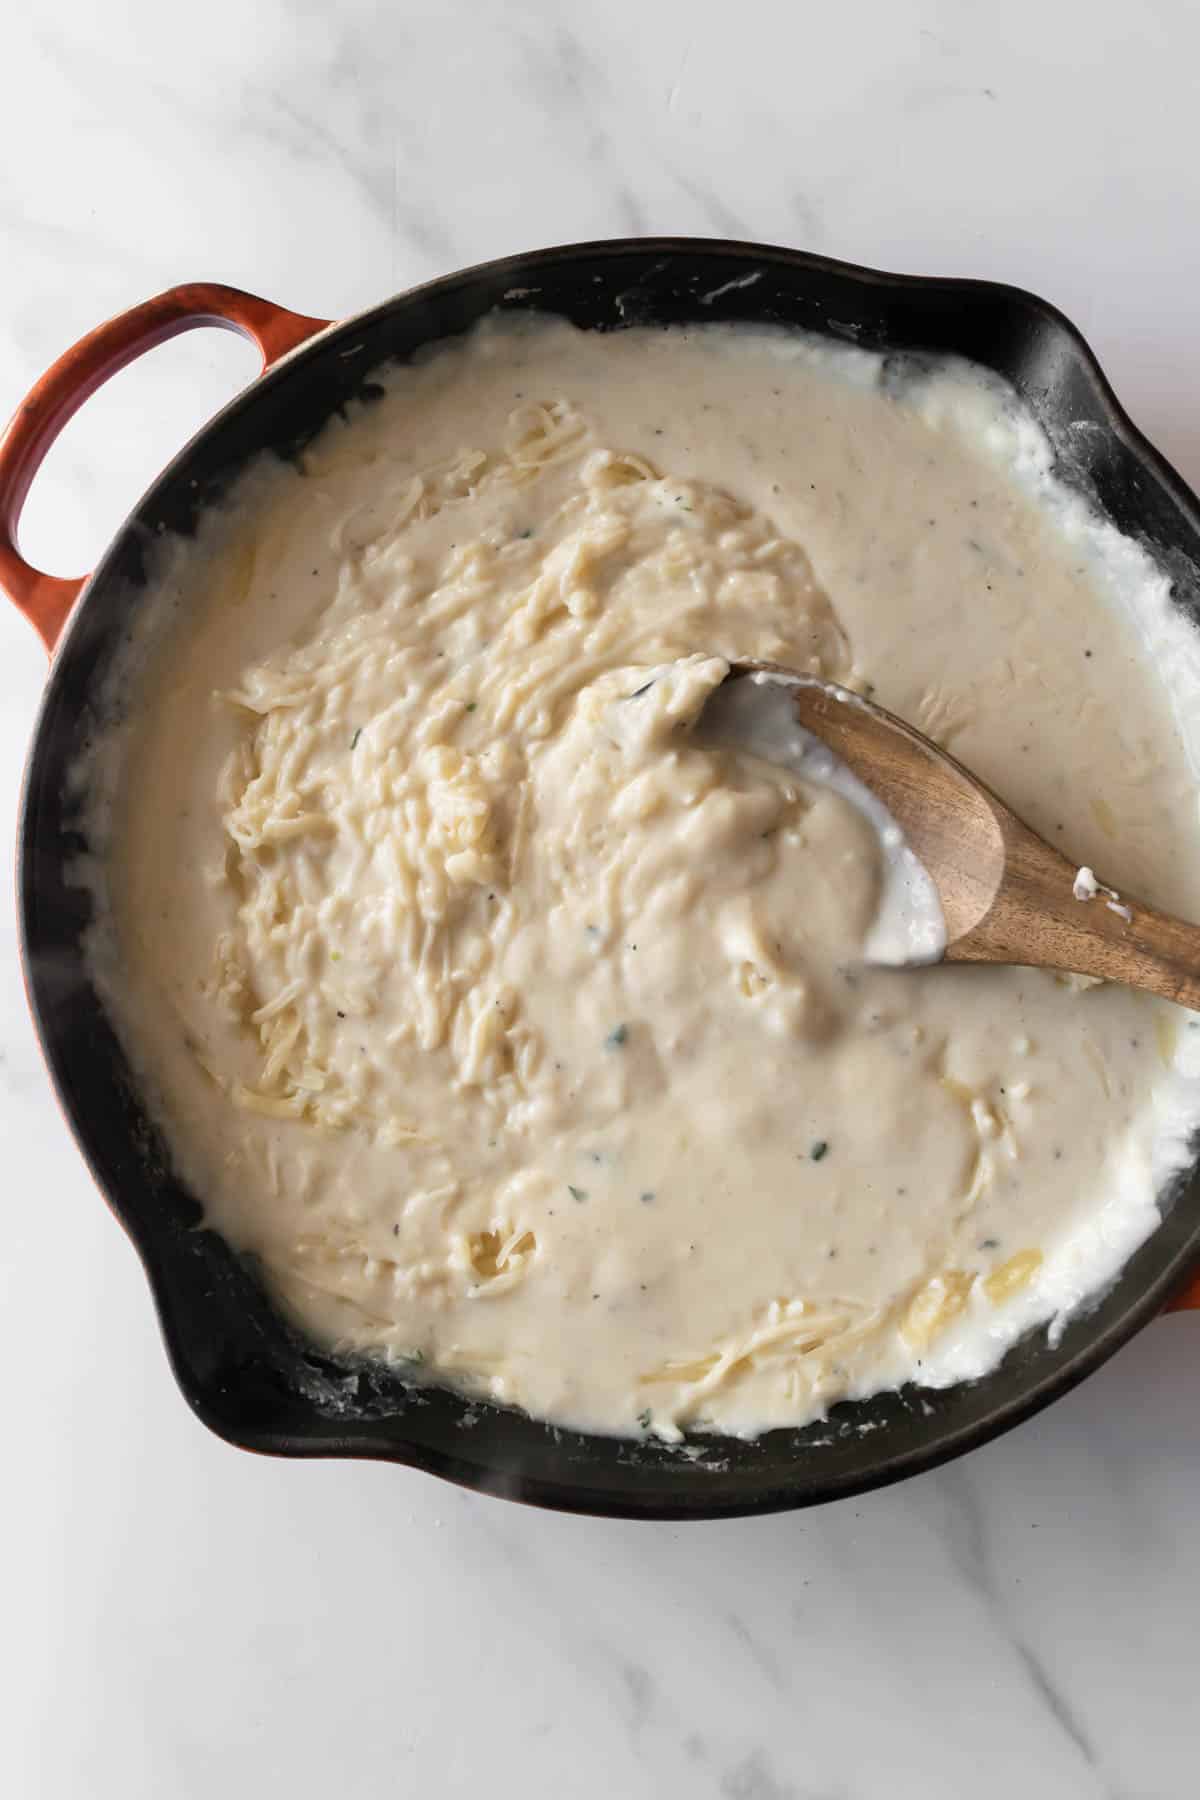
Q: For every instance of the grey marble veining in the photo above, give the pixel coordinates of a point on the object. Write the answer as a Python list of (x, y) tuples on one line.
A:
[(182, 1620)]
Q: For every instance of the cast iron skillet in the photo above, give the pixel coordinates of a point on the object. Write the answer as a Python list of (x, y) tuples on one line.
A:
[(244, 1372)]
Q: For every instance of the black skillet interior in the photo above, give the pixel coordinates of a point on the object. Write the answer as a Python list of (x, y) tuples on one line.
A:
[(245, 1374)]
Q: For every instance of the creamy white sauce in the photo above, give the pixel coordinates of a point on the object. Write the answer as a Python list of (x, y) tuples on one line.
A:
[(1086, 887), (756, 716), (525, 1038)]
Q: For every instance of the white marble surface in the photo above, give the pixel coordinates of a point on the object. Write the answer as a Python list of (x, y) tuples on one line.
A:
[(181, 1620)]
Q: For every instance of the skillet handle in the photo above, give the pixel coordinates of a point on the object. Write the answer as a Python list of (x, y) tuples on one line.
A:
[(1188, 1297), (47, 599)]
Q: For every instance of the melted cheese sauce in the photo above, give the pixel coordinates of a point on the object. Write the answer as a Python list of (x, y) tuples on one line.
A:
[(525, 1036)]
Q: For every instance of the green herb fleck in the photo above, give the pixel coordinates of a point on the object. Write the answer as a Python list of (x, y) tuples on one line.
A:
[(644, 1418), (616, 1037), (576, 1193), (648, 1197), (819, 1149), (471, 705), (989, 1243), (356, 737), (527, 533)]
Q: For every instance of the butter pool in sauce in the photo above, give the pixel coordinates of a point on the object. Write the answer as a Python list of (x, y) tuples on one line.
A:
[(527, 1039)]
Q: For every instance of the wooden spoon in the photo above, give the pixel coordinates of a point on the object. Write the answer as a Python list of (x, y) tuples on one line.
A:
[(1007, 896)]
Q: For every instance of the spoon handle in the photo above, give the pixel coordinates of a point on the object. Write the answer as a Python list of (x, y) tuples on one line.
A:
[(1047, 913)]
